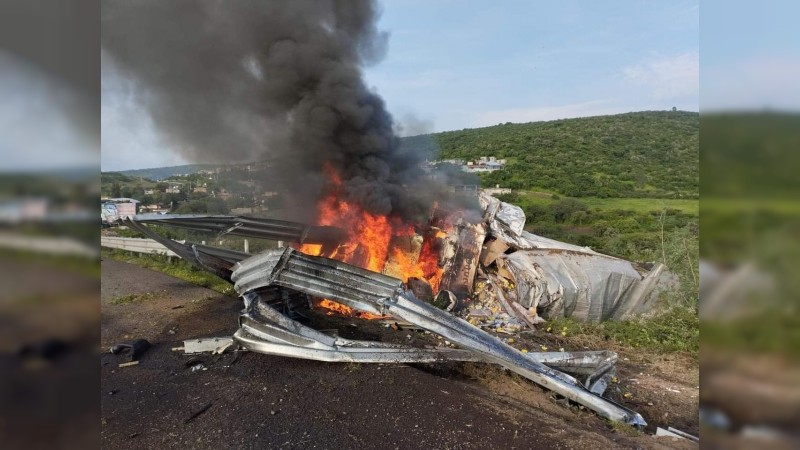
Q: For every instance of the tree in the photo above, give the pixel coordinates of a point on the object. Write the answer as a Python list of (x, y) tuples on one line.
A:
[(216, 206), (579, 216), (563, 209), (116, 190), (536, 213)]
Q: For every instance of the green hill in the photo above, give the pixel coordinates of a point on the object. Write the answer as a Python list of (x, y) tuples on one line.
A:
[(161, 173), (751, 154), (643, 154)]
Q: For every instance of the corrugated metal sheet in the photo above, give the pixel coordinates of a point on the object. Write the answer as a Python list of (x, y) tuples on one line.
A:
[(585, 286), (279, 230), (320, 277)]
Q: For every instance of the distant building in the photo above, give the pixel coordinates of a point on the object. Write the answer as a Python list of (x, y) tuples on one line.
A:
[(484, 164), (113, 209), (173, 189), (201, 189), (149, 191), (153, 209), (23, 210), (497, 190), (126, 207)]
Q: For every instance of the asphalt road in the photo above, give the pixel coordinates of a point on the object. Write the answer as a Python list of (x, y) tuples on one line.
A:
[(248, 400)]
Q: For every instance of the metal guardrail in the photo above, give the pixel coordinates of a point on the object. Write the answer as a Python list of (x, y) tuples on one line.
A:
[(47, 245), (137, 245)]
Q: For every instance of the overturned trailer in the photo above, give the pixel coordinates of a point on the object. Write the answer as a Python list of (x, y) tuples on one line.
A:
[(557, 279), (278, 285)]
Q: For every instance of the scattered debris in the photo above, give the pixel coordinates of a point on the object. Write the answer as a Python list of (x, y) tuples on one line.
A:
[(47, 349), (715, 418), (492, 273), (199, 412), (129, 363), (193, 361), (214, 345), (672, 432), (132, 350)]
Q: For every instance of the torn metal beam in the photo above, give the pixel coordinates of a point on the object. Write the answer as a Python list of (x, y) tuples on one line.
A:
[(378, 294), (264, 329), (218, 261), (276, 230)]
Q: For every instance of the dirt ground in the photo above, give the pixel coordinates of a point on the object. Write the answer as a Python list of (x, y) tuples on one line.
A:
[(248, 400), (48, 402)]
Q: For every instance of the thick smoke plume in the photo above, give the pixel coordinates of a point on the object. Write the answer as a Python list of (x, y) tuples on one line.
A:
[(245, 80)]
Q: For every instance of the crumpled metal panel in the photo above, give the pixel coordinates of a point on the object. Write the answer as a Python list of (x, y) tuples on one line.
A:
[(527, 241), (376, 293), (355, 287), (496, 351), (278, 230), (566, 280), (264, 329), (588, 287), (504, 219), (507, 223)]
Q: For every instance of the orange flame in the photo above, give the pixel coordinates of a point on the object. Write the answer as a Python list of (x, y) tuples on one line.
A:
[(344, 310), (368, 241), (333, 306)]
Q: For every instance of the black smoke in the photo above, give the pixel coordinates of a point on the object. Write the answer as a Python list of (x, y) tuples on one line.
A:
[(278, 81)]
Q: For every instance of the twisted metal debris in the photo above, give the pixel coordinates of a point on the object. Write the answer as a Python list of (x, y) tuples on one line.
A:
[(271, 285)]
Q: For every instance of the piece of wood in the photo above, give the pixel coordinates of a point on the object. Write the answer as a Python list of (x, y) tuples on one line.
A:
[(492, 248), (128, 364), (461, 256), (508, 305)]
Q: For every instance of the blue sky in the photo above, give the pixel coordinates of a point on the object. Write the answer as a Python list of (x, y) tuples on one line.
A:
[(750, 55), (462, 64)]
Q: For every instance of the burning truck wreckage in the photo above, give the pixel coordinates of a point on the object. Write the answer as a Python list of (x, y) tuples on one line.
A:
[(454, 277)]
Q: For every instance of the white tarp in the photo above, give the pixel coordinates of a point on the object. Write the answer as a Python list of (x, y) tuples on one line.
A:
[(566, 280)]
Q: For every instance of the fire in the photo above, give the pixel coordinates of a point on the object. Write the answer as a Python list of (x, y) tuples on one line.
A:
[(369, 241), (344, 310), (335, 307)]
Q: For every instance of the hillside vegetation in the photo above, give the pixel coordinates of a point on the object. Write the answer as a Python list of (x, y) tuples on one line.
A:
[(643, 154), (161, 173)]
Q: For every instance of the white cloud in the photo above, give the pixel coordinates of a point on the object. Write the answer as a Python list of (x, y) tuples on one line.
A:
[(671, 77), (522, 115), (753, 83)]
